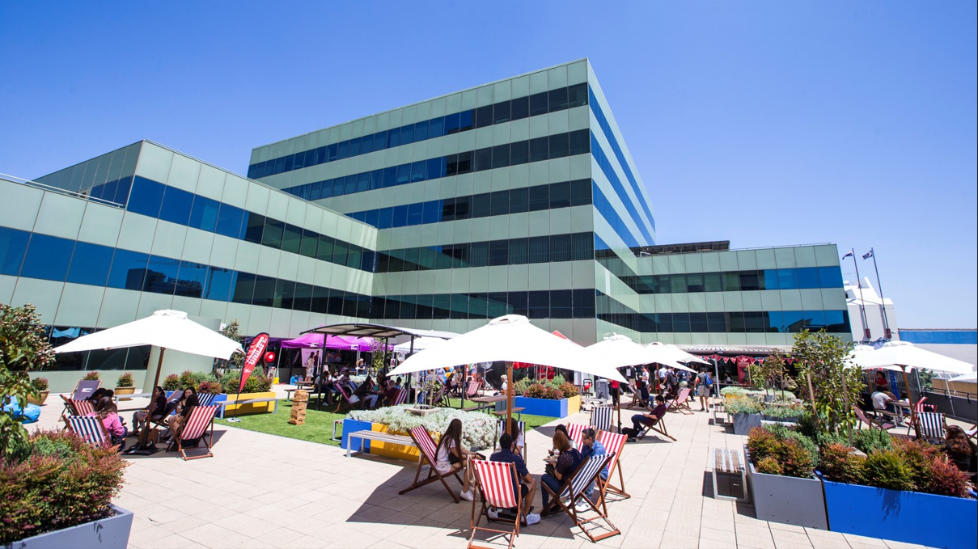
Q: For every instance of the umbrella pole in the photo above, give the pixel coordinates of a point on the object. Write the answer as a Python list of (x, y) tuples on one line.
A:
[(159, 366), (509, 397), (913, 406)]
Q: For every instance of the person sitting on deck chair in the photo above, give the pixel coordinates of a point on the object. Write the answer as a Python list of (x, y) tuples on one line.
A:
[(450, 456), (591, 447), (567, 462), (639, 421), (528, 485)]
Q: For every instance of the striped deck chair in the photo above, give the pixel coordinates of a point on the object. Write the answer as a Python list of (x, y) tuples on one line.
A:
[(501, 428), (637, 401), (601, 418), (346, 402), (473, 389), (864, 419), (76, 408), (498, 488), (575, 432), (205, 399), (90, 429), (613, 445), (932, 426), (573, 491), (401, 398), (428, 449), (200, 418), (680, 403)]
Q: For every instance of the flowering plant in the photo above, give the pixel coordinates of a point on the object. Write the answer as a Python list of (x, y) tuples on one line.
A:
[(478, 430)]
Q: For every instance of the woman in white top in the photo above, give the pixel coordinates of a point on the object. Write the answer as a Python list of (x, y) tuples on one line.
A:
[(451, 457)]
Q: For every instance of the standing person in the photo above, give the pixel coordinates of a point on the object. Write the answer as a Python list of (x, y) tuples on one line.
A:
[(566, 464), (703, 385), (451, 457), (592, 448), (614, 391), (310, 366), (107, 412), (527, 484), (663, 372), (672, 383)]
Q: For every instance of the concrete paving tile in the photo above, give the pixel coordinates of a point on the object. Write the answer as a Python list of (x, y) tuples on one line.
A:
[(863, 540), (214, 536)]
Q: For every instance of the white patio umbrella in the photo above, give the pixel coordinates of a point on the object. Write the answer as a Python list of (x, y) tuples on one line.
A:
[(165, 329), (973, 376), (420, 344), (901, 356), (673, 356), (509, 339)]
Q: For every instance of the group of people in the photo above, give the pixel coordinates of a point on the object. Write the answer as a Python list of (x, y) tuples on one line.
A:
[(563, 460), (370, 393), (172, 414)]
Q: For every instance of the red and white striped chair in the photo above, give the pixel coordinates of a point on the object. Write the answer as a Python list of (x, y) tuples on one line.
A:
[(575, 432), (401, 398), (497, 488), (82, 407), (428, 449), (613, 444), (90, 429), (200, 418)]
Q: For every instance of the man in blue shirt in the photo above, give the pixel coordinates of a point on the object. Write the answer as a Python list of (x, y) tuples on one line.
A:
[(527, 484), (592, 448)]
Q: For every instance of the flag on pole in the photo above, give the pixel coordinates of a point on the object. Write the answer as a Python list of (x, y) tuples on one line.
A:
[(255, 352), (848, 254), (868, 254)]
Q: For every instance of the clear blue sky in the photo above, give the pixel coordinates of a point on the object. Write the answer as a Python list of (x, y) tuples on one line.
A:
[(762, 123)]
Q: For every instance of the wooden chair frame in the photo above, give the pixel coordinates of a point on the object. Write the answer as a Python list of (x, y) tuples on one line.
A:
[(864, 419), (574, 487), (197, 422), (659, 427), (613, 465), (680, 403), (427, 445), (513, 492)]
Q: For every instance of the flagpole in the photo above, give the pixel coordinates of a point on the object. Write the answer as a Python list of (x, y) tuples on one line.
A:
[(862, 301), (879, 285)]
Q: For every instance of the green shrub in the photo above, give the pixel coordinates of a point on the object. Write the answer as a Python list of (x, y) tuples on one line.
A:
[(60, 482), (871, 440), (553, 393), (782, 412), (256, 383), (769, 466), (91, 376), (795, 454), (569, 389), (887, 469), (536, 390), (171, 383), (520, 387), (744, 406), (40, 383), (783, 433), (125, 380), (839, 464), (211, 387), (761, 443), (945, 479)]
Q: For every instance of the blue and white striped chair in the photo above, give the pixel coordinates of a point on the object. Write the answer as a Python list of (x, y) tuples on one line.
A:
[(932, 425), (572, 493), (205, 399), (90, 429), (601, 418)]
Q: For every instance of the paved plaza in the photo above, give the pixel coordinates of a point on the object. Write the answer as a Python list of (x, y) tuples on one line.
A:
[(267, 491)]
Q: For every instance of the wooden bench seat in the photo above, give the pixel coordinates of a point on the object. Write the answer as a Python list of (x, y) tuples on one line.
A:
[(378, 436), (728, 463)]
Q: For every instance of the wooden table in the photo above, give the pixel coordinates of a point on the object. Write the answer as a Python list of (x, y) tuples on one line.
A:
[(516, 410), (486, 402)]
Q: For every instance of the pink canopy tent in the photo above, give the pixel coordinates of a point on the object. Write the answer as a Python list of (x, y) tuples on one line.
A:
[(315, 341)]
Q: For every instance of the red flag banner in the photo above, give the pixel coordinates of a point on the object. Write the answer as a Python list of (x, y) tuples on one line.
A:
[(255, 353)]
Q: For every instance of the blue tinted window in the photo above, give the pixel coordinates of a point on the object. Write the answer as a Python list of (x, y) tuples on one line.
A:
[(399, 215), (191, 280), (128, 270), (403, 174), (436, 168), (244, 288), (432, 212), (771, 279), (786, 279), (807, 277), (415, 214), (343, 151), (204, 214), (465, 121), (161, 275), (272, 235), (13, 244), (376, 179), (390, 176), (392, 137), (452, 124), (220, 283), (421, 131), (176, 206), (830, 277), (47, 257), (145, 197), (229, 221), (436, 128), (417, 171), (316, 190), (264, 291), (380, 141), (354, 147), (90, 264), (122, 190), (350, 184), (363, 182)]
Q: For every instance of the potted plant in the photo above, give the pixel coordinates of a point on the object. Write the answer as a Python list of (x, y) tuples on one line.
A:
[(125, 386), (56, 490), (171, 383), (41, 384), (92, 376), (746, 414), (892, 491), (553, 398), (780, 471)]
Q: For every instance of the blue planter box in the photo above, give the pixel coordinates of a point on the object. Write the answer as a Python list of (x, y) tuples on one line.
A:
[(911, 517), (352, 426), (541, 406)]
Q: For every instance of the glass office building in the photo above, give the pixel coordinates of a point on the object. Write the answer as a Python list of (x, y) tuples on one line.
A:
[(518, 196)]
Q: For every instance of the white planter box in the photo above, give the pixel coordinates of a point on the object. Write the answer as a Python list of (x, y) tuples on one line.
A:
[(107, 533)]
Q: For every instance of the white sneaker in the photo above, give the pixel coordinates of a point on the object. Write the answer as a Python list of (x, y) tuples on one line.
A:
[(494, 513), (582, 507), (467, 496), (532, 518)]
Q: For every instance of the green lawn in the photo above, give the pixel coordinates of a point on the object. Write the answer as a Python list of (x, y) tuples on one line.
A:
[(319, 425)]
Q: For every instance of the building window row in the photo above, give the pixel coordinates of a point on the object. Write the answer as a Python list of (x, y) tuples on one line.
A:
[(608, 212), (613, 311), (525, 199), (116, 192), (533, 304), (609, 172), (735, 281), (498, 113), (154, 199), (500, 156), (616, 148), (513, 251)]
